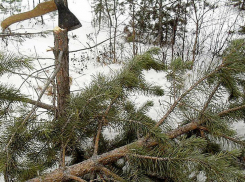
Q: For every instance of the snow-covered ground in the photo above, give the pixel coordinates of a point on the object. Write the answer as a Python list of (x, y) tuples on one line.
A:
[(37, 46)]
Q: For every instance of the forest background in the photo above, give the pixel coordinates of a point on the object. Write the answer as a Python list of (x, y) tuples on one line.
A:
[(159, 83)]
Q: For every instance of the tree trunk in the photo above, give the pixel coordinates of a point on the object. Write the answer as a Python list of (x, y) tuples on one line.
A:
[(62, 81), (194, 49), (110, 26), (115, 33), (62, 78), (133, 25), (160, 30)]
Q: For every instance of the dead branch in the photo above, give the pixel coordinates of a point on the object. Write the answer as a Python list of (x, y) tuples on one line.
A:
[(40, 104), (26, 34), (91, 47)]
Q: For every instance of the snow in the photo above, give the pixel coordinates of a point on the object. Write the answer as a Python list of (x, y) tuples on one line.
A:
[(37, 46)]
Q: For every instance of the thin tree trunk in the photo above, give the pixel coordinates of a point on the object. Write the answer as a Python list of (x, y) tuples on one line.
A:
[(160, 30), (41, 16), (62, 80), (194, 49), (134, 46), (110, 26), (184, 33), (115, 34)]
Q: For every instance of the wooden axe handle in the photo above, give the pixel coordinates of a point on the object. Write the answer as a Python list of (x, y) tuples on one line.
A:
[(39, 10)]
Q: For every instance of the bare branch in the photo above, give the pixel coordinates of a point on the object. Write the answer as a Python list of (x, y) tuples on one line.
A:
[(25, 34), (94, 45), (40, 104)]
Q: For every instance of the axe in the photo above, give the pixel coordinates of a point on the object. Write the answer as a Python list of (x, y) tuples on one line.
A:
[(67, 20)]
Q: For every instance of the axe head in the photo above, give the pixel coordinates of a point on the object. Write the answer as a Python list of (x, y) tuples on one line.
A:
[(67, 20)]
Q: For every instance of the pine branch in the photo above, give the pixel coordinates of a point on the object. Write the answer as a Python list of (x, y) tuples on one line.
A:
[(9, 62), (96, 143), (183, 95), (89, 165), (224, 136), (110, 173), (75, 178), (149, 157), (225, 112), (210, 98), (183, 129), (233, 140), (34, 108), (109, 107), (100, 125)]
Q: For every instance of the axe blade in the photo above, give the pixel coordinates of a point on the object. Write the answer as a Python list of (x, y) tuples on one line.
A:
[(67, 20)]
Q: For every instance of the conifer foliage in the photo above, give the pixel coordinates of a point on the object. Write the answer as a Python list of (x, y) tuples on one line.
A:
[(144, 149), (9, 119), (193, 139)]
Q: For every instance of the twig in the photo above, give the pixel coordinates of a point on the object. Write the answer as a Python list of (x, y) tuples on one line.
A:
[(223, 113), (224, 136), (183, 95), (91, 47), (209, 99), (150, 157), (40, 104), (108, 172), (101, 123), (96, 143), (25, 34), (75, 178)]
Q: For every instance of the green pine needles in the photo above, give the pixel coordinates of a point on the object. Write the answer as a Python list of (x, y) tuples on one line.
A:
[(204, 145)]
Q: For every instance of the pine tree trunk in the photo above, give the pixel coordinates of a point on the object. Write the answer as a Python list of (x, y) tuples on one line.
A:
[(62, 78), (62, 81)]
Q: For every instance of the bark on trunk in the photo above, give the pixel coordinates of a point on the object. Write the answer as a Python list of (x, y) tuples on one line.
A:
[(62, 78), (62, 81)]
